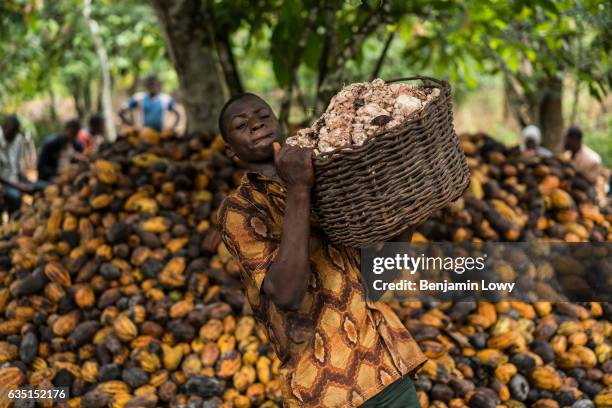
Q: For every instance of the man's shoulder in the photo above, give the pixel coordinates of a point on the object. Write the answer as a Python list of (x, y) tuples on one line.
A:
[(591, 154), (249, 196), (52, 140), (138, 96), (238, 197)]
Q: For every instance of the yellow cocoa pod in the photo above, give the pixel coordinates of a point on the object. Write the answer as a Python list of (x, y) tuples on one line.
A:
[(11, 377), (4, 297), (524, 309), (244, 328), (125, 329), (149, 362), (256, 393), (101, 201), (70, 223), (65, 324), (159, 378), (176, 244), (149, 136), (54, 292), (211, 330), (84, 296), (172, 356), (505, 372), (228, 364), (603, 352), (181, 309), (561, 200), (156, 225), (105, 171), (143, 205), (504, 340), (191, 365), (241, 401), (56, 272), (53, 224), (145, 160), (8, 352), (546, 378), (244, 377), (209, 354), (264, 370), (491, 356), (89, 372), (604, 399), (226, 342)]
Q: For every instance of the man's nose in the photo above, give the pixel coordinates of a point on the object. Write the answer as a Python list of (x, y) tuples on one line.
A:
[(256, 124)]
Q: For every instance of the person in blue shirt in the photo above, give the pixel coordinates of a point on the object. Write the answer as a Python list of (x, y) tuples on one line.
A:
[(151, 105)]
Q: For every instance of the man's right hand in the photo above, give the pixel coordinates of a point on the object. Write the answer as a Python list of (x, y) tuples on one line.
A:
[(25, 187), (294, 165)]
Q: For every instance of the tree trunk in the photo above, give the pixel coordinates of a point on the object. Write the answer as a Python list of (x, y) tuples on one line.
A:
[(107, 104), (228, 63), (551, 115), (202, 89)]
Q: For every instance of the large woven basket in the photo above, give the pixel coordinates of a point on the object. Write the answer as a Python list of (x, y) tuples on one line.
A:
[(396, 179)]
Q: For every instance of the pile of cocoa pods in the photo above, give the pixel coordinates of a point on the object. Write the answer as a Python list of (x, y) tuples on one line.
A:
[(115, 284), (521, 197)]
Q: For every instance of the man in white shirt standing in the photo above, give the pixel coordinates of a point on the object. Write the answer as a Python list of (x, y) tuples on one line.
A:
[(12, 149)]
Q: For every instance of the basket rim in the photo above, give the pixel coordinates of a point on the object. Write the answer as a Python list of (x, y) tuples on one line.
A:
[(438, 83)]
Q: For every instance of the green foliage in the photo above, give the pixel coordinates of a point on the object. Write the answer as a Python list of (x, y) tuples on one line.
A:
[(49, 48), (305, 45)]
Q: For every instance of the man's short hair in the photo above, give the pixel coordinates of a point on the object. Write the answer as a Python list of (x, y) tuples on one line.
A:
[(226, 106), (574, 132), (151, 79), (73, 124), (96, 120), (12, 119)]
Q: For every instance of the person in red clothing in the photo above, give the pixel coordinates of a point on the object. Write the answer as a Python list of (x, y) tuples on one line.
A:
[(92, 136)]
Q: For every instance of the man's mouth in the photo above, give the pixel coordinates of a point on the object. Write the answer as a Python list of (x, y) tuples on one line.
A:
[(259, 140)]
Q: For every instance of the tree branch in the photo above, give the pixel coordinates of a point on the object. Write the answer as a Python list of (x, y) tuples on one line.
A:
[(331, 82), (107, 102), (382, 56), (294, 67)]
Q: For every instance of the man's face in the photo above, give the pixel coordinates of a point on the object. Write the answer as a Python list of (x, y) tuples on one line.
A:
[(70, 133), (153, 87), (251, 129), (530, 144), (97, 129), (572, 143), (10, 128)]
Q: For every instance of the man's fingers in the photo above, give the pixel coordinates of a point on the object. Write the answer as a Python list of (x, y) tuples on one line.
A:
[(277, 148)]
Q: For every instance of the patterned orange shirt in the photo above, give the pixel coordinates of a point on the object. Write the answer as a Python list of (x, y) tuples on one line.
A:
[(338, 349)]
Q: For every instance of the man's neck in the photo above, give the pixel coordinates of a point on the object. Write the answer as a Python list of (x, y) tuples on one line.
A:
[(267, 169)]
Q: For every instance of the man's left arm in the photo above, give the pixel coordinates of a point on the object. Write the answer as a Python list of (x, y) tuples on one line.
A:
[(177, 116)]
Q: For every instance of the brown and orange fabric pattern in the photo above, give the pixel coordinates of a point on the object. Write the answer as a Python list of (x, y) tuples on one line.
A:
[(338, 349)]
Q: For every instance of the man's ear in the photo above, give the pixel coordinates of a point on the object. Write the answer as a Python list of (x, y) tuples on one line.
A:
[(229, 152)]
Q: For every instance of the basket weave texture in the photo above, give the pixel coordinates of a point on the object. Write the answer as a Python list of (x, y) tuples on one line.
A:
[(396, 179)]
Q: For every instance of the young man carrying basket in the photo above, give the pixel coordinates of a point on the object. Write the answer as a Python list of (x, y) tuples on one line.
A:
[(337, 348)]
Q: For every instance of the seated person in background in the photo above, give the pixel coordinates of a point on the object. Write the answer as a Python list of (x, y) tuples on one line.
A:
[(92, 136), (152, 106), (531, 138), (586, 160), (58, 150), (11, 155)]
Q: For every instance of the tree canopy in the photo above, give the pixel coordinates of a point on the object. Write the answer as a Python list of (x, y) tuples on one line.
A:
[(304, 50)]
